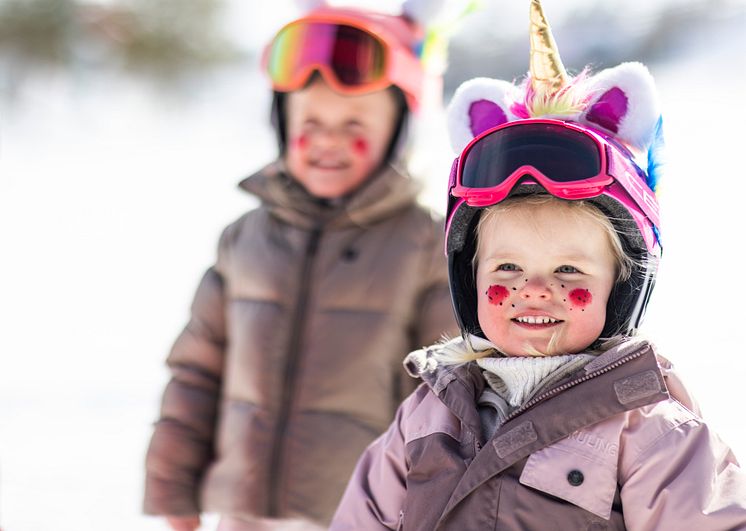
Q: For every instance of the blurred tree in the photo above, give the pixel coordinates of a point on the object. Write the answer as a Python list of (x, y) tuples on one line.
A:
[(170, 36), (165, 38), (38, 31)]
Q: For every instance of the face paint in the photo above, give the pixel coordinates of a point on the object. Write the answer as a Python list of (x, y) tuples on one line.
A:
[(300, 141), (497, 294), (580, 297), (360, 146)]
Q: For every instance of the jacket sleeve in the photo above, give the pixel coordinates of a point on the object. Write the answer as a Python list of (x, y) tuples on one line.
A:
[(374, 497), (687, 479), (182, 442)]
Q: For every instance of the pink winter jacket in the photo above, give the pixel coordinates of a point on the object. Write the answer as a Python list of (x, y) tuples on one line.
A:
[(608, 447)]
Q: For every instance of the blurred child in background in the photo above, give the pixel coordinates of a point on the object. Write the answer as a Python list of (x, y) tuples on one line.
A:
[(291, 362)]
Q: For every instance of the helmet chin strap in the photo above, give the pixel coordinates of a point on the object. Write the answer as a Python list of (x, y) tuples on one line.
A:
[(277, 118), (400, 133)]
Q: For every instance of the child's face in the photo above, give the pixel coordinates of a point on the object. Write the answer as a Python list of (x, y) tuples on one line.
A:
[(336, 141), (543, 272)]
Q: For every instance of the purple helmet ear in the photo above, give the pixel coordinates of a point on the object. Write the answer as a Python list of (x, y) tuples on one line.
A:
[(485, 114), (624, 103), (609, 109), (478, 105)]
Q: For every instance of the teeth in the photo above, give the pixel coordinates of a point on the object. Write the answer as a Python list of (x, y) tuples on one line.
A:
[(533, 319), (328, 164)]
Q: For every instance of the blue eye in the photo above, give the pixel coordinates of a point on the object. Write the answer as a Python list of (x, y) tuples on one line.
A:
[(567, 269), (507, 267)]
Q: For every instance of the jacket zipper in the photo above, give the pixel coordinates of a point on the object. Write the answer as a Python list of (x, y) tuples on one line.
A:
[(555, 390), (291, 365)]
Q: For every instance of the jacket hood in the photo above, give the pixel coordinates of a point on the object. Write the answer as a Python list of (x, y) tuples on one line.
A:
[(385, 192)]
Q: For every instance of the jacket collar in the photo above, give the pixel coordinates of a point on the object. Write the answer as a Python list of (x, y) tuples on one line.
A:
[(384, 193), (459, 386), (623, 378)]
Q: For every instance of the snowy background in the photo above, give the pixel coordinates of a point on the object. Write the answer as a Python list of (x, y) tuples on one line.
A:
[(113, 192)]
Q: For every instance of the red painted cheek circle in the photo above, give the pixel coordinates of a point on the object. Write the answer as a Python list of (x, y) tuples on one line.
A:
[(581, 297), (360, 146), (300, 141), (496, 294)]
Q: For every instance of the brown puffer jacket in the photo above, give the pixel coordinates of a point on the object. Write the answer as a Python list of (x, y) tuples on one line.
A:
[(291, 362)]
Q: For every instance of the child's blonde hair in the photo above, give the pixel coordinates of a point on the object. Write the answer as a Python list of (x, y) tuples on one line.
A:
[(624, 263)]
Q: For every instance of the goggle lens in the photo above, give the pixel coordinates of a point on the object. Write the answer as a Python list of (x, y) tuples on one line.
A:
[(355, 57), (559, 153)]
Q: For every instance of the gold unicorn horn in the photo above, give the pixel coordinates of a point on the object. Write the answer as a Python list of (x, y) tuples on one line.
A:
[(547, 71)]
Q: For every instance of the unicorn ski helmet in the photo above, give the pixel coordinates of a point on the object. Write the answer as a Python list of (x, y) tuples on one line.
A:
[(595, 138)]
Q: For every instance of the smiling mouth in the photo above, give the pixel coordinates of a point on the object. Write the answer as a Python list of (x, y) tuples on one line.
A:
[(536, 321), (329, 165)]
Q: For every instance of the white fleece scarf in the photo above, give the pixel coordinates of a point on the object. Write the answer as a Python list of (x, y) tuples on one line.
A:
[(516, 379)]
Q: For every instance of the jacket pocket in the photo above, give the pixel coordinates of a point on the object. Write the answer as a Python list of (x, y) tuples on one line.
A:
[(583, 481)]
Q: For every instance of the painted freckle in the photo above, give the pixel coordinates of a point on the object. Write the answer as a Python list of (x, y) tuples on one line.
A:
[(496, 294), (580, 297)]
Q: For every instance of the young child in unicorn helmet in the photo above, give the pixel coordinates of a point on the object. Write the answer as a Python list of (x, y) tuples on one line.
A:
[(291, 362), (548, 412)]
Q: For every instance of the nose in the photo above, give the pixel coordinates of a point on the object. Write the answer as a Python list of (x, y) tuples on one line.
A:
[(328, 138), (535, 289)]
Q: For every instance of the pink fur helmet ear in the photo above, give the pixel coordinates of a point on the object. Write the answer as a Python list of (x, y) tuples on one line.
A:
[(624, 103), (477, 105)]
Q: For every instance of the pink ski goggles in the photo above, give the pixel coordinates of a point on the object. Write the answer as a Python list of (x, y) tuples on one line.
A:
[(354, 55), (568, 160)]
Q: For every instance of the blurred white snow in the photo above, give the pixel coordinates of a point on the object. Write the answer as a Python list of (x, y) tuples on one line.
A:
[(112, 197)]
